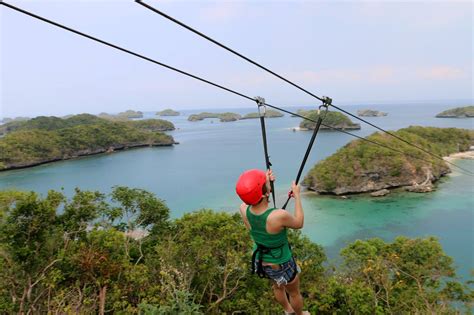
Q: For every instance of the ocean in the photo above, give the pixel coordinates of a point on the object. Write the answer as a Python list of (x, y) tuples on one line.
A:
[(201, 172)]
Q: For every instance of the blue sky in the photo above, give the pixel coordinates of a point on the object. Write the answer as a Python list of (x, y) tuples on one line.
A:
[(352, 51)]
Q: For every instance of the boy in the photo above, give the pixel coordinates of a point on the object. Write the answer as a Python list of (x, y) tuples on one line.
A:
[(268, 228)]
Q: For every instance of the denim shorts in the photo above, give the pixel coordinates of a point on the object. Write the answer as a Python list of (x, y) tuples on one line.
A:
[(285, 274)]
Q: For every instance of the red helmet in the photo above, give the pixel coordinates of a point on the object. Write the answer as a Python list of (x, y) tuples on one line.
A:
[(249, 186)]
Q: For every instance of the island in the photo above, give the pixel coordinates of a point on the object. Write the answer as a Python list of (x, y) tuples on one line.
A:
[(458, 112), (334, 120), (270, 113), (127, 115), (8, 119), (223, 117), (361, 167), (48, 139), (167, 112), (370, 113)]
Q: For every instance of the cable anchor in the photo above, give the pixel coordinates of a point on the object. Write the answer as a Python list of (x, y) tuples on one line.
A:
[(262, 108), (327, 101)]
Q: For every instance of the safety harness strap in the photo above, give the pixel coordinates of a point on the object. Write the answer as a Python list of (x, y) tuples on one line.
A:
[(257, 266)]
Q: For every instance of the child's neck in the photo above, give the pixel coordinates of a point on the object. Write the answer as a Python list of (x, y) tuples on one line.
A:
[(262, 206)]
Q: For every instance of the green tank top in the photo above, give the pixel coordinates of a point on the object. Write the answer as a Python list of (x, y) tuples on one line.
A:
[(258, 231)]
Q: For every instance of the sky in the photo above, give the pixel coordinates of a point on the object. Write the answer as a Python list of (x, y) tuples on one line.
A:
[(353, 51)]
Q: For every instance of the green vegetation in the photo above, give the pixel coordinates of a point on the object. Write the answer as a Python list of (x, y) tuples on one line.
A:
[(46, 139), (168, 112), (370, 113), (7, 119), (121, 253), (361, 166), (152, 124), (127, 115), (271, 113), (334, 119), (459, 112), (223, 117)]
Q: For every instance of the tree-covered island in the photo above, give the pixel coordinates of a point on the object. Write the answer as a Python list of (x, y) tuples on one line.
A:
[(167, 112), (370, 113), (223, 117), (360, 166), (126, 115), (458, 112), (270, 113), (334, 119), (47, 139)]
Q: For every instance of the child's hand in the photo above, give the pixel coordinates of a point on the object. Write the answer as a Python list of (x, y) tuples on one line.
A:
[(270, 176), (295, 190)]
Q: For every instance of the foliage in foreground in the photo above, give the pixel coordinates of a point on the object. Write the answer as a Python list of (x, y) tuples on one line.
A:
[(87, 255)]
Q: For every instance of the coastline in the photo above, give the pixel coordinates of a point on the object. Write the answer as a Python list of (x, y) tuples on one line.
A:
[(466, 155), (78, 155)]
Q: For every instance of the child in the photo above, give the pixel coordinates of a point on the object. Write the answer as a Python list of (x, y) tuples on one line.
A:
[(268, 227)]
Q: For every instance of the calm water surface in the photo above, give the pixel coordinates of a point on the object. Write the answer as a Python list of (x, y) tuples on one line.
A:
[(201, 172)]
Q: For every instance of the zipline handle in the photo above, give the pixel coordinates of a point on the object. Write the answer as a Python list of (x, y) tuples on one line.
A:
[(262, 111), (326, 103)]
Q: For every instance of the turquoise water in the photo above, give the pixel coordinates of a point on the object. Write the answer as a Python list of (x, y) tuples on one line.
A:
[(201, 171)]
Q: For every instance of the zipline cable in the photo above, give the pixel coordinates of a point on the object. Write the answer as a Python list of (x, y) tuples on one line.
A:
[(310, 145), (280, 77), (261, 112), (201, 79)]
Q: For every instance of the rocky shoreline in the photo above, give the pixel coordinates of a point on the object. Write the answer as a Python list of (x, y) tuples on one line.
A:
[(428, 185), (85, 153), (358, 168)]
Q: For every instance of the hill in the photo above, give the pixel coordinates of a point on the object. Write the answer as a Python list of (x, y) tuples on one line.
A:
[(47, 139), (269, 114), (223, 117), (459, 112), (334, 119), (167, 112), (370, 113), (363, 167)]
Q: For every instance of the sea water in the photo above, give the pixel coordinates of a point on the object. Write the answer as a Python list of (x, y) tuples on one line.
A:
[(201, 172)]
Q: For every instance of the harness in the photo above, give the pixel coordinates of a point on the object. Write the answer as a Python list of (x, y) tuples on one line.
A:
[(257, 266)]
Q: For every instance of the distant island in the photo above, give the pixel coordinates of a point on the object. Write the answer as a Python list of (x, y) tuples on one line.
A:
[(370, 113), (458, 112), (223, 117), (129, 114), (361, 167), (8, 119), (334, 119), (270, 113), (167, 112), (47, 139)]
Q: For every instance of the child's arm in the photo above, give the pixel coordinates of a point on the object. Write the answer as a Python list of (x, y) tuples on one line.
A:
[(243, 214)]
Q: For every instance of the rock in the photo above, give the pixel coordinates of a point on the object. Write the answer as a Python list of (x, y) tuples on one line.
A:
[(380, 193), (420, 188)]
